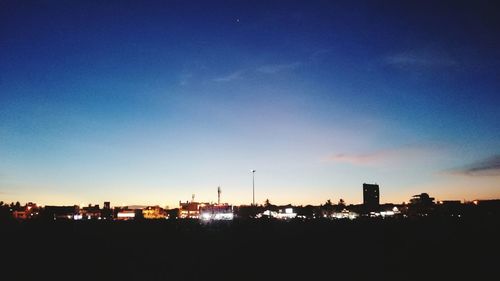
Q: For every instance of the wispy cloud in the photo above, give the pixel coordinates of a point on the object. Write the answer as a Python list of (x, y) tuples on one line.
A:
[(266, 69), (397, 155), (275, 68), (486, 167), (420, 59), (230, 77)]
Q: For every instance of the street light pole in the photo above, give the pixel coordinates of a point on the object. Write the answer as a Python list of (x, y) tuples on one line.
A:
[(253, 187)]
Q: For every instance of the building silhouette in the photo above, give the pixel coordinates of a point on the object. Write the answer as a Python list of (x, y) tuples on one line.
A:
[(371, 197), (190, 210), (154, 212), (107, 212)]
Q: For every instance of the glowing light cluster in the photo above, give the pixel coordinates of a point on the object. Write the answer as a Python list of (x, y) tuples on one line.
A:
[(217, 216), (126, 215)]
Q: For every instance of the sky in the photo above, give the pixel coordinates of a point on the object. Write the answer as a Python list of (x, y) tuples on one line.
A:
[(149, 102)]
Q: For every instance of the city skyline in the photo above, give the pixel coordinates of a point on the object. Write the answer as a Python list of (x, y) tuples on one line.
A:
[(147, 103)]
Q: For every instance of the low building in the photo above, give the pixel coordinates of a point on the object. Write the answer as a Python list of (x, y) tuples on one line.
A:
[(125, 214), (154, 212), (190, 210), (91, 212), (282, 214), (20, 215), (29, 211), (61, 212), (345, 214), (216, 212)]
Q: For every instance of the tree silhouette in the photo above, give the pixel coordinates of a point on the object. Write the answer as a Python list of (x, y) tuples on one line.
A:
[(328, 207), (421, 204), (4, 211), (267, 203), (341, 203)]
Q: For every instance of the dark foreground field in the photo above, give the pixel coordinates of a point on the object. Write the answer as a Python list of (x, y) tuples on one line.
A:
[(429, 249)]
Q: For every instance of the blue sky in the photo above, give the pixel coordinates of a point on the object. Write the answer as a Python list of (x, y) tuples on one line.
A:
[(148, 102)]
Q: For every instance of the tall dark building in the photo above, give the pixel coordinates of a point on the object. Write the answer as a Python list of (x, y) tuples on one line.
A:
[(107, 213), (371, 197)]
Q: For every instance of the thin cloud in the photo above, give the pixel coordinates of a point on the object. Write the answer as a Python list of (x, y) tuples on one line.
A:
[(486, 167), (266, 69), (358, 159), (412, 59), (397, 155), (275, 68), (230, 77)]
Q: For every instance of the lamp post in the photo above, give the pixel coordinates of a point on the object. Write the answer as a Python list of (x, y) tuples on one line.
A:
[(253, 187)]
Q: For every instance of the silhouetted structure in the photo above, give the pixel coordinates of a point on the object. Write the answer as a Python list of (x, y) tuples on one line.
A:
[(90, 212), (450, 208), (106, 212), (488, 207), (421, 205), (216, 211), (125, 214), (371, 198), (60, 212), (190, 210), (488, 203), (154, 212), (246, 212), (422, 199)]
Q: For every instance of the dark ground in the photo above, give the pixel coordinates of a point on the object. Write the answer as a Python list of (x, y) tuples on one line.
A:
[(425, 249)]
